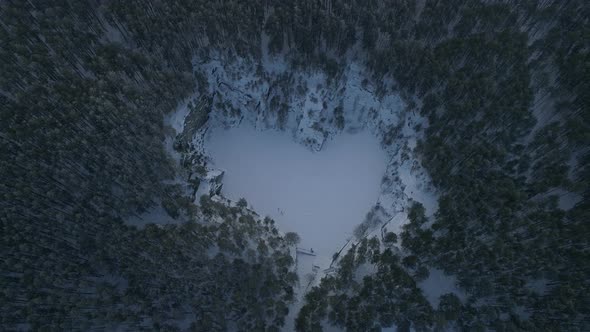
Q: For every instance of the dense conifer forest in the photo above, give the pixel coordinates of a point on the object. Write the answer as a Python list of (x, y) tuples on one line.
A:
[(85, 84)]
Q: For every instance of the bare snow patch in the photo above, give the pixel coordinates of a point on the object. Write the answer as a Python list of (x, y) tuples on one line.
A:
[(321, 196), (176, 119), (438, 283), (156, 215)]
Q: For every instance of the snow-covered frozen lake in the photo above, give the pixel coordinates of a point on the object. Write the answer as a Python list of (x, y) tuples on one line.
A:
[(322, 196)]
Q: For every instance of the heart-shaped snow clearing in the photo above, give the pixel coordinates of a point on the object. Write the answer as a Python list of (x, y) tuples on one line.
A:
[(322, 196)]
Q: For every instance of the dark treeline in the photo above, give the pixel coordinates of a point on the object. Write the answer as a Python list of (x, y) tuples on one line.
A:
[(84, 86), (504, 87), (83, 90)]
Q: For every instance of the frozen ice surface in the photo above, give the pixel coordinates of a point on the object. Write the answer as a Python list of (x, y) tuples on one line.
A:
[(320, 195)]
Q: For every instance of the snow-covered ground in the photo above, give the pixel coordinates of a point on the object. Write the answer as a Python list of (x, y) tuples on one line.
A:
[(321, 196), (438, 283), (155, 215), (341, 152)]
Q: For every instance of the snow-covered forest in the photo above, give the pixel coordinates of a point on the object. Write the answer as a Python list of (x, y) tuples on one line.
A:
[(294, 165)]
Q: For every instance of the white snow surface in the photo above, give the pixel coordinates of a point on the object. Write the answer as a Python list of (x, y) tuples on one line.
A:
[(155, 215), (176, 119), (438, 283), (321, 196), (311, 122)]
